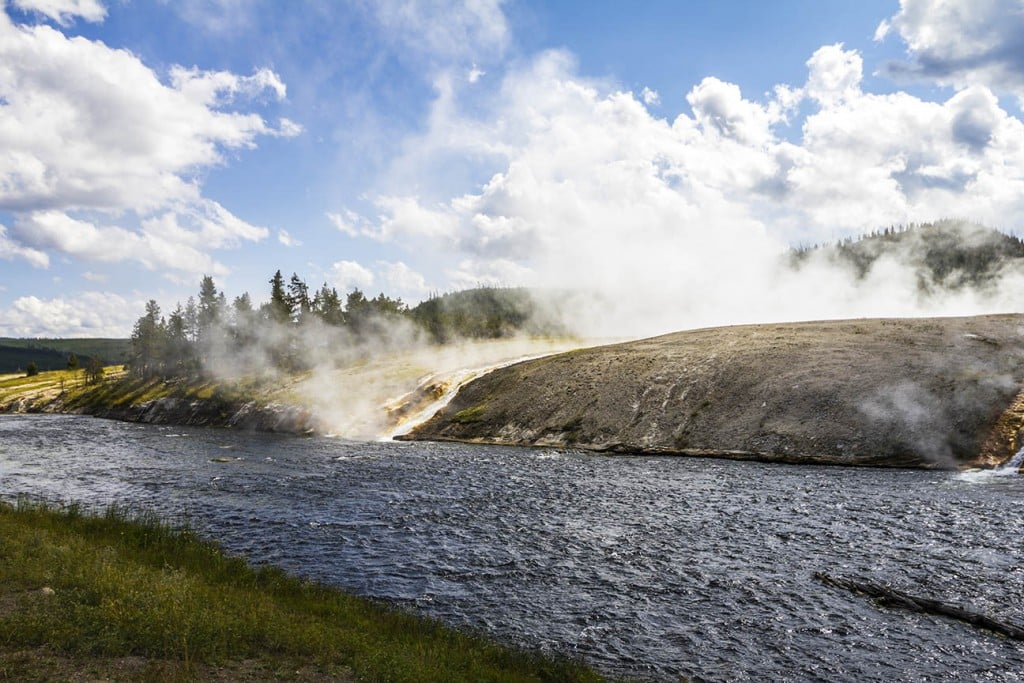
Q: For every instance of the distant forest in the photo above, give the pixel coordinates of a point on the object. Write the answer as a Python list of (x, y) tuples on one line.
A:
[(55, 354), (296, 328), (947, 254)]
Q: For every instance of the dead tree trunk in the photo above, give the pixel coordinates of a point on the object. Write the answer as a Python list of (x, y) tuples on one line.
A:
[(890, 597)]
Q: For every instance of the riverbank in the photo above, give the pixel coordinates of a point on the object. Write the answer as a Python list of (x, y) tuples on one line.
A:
[(195, 401), (364, 398), (118, 597), (922, 393)]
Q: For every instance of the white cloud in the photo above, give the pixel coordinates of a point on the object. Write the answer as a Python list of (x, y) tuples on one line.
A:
[(89, 133), (287, 240), (882, 30), (286, 128), (212, 88), (349, 223), (348, 275), (719, 108), (961, 43), (682, 222), (94, 277), (85, 126), (402, 281), (162, 245), (398, 217), (10, 250), (650, 97), (89, 314), (835, 75), (65, 11)]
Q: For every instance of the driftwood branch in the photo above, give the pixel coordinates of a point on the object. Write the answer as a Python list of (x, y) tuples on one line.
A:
[(891, 597)]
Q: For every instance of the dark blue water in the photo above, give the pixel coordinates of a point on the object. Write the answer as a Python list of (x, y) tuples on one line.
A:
[(645, 567)]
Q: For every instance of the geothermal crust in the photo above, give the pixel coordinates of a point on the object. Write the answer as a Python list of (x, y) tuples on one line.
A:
[(935, 393)]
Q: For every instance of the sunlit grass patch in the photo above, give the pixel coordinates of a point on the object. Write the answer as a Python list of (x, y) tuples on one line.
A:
[(117, 585)]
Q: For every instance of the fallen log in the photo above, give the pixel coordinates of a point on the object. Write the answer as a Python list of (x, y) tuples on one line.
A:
[(891, 597)]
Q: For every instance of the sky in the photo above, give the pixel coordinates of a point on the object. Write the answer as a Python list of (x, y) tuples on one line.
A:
[(663, 153)]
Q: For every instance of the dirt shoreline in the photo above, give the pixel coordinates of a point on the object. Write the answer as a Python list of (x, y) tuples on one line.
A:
[(922, 393)]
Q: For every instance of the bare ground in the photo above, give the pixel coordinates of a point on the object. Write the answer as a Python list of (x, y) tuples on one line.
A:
[(935, 393)]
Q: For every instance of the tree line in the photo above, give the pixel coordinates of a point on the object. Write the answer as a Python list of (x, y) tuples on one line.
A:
[(186, 340), (947, 253)]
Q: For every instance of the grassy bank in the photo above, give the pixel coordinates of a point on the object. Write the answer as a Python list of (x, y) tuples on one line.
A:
[(86, 597), (68, 391)]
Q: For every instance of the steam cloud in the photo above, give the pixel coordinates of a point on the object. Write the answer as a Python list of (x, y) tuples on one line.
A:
[(680, 223)]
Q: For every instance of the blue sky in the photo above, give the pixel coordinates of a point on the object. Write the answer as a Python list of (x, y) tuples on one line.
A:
[(416, 147)]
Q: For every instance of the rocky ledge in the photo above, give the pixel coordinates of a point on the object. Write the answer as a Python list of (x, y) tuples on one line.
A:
[(933, 393), (272, 417)]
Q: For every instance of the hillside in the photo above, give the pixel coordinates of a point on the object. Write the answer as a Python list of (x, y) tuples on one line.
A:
[(487, 313), (947, 254), (52, 354), (939, 392)]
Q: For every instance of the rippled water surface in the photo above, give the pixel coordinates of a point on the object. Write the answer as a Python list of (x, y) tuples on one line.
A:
[(650, 568)]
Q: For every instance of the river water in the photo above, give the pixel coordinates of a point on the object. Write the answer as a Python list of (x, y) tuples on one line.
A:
[(645, 567)]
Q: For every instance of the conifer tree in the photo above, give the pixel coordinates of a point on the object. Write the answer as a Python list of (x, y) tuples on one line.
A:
[(280, 309)]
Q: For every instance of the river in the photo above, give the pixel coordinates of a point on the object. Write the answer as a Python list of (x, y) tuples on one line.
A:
[(646, 567)]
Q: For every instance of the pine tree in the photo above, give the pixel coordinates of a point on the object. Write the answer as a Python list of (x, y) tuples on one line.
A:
[(149, 337), (209, 309), (279, 309), (357, 310), (191, 319), (178, 352), (298, 299), (327, 306), (245, 320)]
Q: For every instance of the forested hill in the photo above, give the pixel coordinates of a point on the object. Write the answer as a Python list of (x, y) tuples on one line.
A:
[(53, 354), (486, 313), (947, 254)]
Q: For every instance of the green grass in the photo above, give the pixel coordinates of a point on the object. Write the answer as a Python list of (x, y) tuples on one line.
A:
[(125, 596), (122, 390), (49, 385), (469, 415)]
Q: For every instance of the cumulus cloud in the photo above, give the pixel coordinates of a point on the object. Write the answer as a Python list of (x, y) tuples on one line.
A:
[(64, 11), (682, 222), (834, 75), (89, 314), (10, 250), (349, 275), (402, 281), (961, 43), (88, 132), (171, 248)]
